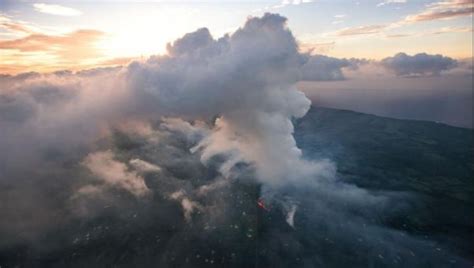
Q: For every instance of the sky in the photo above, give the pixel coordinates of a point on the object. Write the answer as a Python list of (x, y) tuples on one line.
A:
[(398, 58), (54, 35)]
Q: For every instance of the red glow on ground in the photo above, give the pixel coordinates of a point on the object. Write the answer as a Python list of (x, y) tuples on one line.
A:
[(261, 204)]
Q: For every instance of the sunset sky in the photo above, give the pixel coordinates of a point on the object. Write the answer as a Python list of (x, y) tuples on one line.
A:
[(56, 35), (236, 133)]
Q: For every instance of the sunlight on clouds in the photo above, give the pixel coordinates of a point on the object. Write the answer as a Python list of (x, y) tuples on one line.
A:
[(33, 41), (56, 10), (42, 52), (35, 49), (148, 34)]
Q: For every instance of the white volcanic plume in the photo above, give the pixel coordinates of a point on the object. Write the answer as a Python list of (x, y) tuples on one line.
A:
[(246, 79)]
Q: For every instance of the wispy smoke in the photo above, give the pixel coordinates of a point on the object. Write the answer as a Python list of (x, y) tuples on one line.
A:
[(181, 145), (115, 174)]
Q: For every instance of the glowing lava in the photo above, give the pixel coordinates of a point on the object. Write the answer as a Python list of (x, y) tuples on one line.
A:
[(262, 205)]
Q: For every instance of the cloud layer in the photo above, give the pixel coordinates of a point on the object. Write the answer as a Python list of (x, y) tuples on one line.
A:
[(245, 79), (419, 64), (324, 68), (175, 151)]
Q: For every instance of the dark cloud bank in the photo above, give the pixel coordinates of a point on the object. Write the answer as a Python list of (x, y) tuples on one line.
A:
[(419, 64), (161, 163), (421, 87)]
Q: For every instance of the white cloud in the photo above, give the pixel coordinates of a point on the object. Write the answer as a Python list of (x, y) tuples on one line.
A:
[(285, 3), (56, 10), (386, 2), (420, 64), (247, 79)]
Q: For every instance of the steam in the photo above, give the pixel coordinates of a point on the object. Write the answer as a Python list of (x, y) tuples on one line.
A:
[(248, 80), (115, 174), (188, 205), (186, 141), (290, 216)]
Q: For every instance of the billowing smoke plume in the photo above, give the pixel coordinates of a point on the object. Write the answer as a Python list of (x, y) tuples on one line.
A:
[(247, 79), (162, 162), (240, 87)]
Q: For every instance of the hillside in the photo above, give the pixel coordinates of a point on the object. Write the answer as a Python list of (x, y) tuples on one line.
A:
[(432, 161)]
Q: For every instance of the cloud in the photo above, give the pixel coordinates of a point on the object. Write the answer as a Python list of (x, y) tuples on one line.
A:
[(386, 2), (453, 30), (436, 11), (42, 42), (443, 14), (56, 10), (17, 28), (420, 64), (235, 67), (197, 71), (446, 98), (52, 51), (400, 35), (443, 30), (117, 61), (324, 68), (245, 80), (285, 3), (443, 10), (320, 48), (361, 30)]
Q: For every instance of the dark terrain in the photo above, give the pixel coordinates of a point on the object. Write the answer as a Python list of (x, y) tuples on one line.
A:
[(423, 171)]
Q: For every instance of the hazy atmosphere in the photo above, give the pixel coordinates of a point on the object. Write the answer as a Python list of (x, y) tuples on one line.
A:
[(236, 134)]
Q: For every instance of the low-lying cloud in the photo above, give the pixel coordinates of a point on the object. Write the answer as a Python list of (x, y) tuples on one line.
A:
[(246, 80), (420, 64), (324, 68), (176, 150)]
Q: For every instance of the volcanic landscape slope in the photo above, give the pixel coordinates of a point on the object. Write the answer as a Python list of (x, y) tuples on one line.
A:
[(431, 161), (411, 205)]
